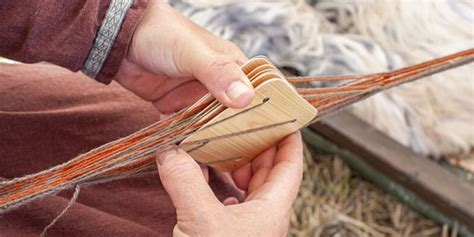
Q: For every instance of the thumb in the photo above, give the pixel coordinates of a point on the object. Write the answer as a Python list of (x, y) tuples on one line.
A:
[(226, 82), (184, 181)]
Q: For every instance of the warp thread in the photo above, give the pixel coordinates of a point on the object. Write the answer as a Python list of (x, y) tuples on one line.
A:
[(140, 159), (134, 155), (68, 206)]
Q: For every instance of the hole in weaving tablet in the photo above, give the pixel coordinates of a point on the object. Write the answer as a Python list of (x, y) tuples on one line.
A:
[(200, 145), (265, 100), (236, 158)]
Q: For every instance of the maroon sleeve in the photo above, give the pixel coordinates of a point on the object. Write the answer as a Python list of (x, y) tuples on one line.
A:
[(62, 32)]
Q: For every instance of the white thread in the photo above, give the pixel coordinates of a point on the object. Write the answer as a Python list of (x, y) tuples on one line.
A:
[(69, 205)]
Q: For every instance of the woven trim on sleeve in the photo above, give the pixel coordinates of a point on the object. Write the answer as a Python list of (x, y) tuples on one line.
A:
[(106, 36)]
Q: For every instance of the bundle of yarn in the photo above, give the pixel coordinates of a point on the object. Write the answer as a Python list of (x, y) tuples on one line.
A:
[(134, 155), (338, 37)]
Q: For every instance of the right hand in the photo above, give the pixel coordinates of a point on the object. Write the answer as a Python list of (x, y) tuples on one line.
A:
[(272, 189)]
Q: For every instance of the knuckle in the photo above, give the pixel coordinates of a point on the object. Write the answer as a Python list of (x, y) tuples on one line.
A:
[(178, 167), (236, 53), (232, 47), (220, 62), (296, 168), (217, 65)]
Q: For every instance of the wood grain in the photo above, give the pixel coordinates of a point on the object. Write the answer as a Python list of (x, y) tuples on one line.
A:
[(283, 104), (278, 103)]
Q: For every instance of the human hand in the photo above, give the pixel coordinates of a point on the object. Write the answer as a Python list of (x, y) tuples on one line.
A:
[(172, 62), (272, 189)]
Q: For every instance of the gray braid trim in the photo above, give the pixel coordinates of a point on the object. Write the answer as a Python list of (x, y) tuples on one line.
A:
[(106, 36)]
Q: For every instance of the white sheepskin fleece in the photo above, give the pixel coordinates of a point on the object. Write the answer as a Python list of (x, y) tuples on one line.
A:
[(434, 116)]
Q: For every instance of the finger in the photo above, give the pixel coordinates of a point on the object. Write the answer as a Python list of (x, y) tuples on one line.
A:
[(163, 116), (242, 175), (177, 232), (183, 179), (230, 201), (286, 225), (283, 181), (205, 171), (180, 97), (146, 84), (226, 82), (261, 167)]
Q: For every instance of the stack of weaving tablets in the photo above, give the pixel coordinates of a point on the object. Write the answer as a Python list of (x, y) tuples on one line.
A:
[(234, 136)]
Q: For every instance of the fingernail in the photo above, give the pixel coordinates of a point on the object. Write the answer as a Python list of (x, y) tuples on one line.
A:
[(231, 201), (236, 89), (163, 156)]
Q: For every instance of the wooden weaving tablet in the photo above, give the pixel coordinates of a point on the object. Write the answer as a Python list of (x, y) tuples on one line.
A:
[(276, 111)]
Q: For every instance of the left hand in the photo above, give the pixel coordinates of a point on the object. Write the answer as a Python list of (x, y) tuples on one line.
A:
[(172, 62)]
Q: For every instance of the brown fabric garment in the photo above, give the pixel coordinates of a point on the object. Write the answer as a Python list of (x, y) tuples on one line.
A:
[(62, 32), (49, 115)]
